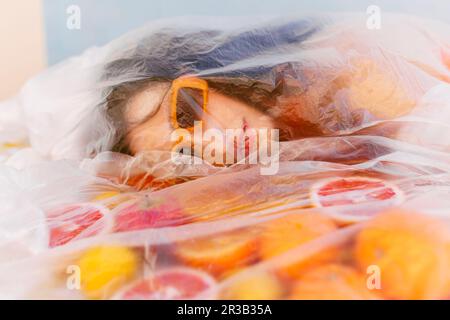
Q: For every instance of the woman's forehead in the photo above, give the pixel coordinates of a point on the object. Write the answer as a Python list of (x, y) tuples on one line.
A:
[(145, 102)]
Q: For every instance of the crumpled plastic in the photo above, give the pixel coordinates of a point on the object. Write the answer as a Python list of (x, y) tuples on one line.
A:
[(357, 209)]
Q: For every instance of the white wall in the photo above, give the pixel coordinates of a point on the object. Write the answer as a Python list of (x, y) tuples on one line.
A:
[(22, 50), (103, 20)]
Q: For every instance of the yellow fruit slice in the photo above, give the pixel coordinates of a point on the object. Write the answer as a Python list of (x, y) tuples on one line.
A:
[(106, 195), (373, 89), (256, 286), (105, 269)]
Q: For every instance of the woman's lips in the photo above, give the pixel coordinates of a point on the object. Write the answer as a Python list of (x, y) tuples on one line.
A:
[(245, 125), (237, 144)]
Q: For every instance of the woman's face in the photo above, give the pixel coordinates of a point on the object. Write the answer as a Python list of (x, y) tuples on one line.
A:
[(150, 131)]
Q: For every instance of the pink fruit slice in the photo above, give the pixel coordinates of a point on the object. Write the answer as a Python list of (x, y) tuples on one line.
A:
[(171, 284), (139, 217), (77, 222), (356, 198)]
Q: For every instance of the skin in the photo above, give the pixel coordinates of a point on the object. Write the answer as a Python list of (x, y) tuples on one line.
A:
[(150, 131)]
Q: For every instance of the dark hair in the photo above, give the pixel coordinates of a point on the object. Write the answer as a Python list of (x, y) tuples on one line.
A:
[(169, 54)]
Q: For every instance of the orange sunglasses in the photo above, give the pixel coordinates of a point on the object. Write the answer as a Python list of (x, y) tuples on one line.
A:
[(188, 102)]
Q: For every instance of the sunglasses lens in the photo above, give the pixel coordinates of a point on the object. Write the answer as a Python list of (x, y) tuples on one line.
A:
[(189, 107)]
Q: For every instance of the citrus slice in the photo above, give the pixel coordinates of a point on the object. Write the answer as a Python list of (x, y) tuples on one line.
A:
[(171, 284), (445, 55), (259, 285), (106, 195), (375, 90), (219, 253), (332, 282), (355, 198), (412, 252), (113, 199), (146, 181), (77, 222), (293, 230), (145, 216), (105, 269)]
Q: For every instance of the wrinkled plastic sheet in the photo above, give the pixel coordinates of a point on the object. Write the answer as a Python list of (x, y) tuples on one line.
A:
[(363, 178)]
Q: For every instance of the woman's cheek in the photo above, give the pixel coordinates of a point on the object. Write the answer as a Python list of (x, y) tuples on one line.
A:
[(149, 138)]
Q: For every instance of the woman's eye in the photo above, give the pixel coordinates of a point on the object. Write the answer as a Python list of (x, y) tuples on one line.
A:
[(189, 107)]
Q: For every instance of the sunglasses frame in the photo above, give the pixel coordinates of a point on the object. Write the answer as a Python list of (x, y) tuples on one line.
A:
[(191, 83)]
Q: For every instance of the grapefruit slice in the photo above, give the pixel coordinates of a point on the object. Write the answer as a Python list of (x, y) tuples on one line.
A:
[(177, 283), (77, 222), (141, 216), (355, 198)]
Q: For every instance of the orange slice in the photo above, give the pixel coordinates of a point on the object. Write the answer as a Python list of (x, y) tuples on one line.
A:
[(371, 88), (332, 282), (219, 253), (291, 231), (412, 252)]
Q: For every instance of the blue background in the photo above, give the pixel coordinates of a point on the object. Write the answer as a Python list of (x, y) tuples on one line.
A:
[(104, 20)]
